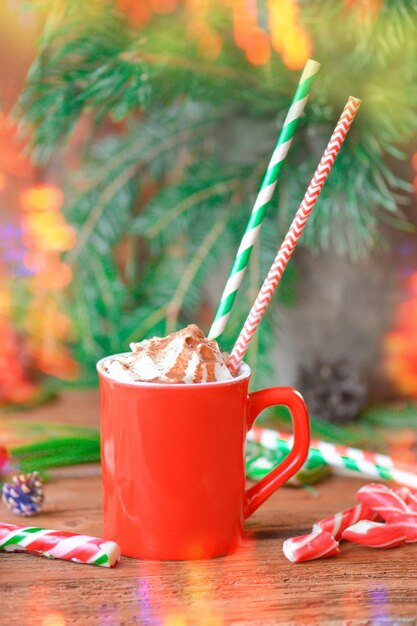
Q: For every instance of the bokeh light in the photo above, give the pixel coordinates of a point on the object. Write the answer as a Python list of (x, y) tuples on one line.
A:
[(258, 51), (175, 619), (139, 13), (288, 37), (42, 197), (54, 619), (163, 6), (13, 159), (400, 344), (46, 235)]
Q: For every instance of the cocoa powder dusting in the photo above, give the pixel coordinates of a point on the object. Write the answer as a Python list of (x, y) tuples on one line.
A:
[(186, 356), (198, 377), (177, 371), (206, 352), (210, 372), (155, 347)]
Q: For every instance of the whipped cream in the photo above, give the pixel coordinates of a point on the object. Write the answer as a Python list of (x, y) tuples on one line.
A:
[(186, 356)]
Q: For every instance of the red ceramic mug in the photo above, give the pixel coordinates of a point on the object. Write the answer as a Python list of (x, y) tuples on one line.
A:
[(173, 463)]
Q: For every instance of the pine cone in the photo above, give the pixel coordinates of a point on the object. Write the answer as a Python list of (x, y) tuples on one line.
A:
[(333, 391), (24, 494)]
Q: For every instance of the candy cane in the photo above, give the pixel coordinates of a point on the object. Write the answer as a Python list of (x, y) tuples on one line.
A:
[(364, 462), (412, 500), (375, 535), (317, 545), (383, 500), (57, 544), (408, 525), (404, 493), (336, 524)]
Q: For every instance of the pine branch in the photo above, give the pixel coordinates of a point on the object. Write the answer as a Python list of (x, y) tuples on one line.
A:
[(182, 115), (153, 228), (82, 317), (197, 260), (189, 252), (90, 224), (199, 67), (99, 202), (83, 64)]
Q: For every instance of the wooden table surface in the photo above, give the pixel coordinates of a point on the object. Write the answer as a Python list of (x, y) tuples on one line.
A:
[(256, 585)]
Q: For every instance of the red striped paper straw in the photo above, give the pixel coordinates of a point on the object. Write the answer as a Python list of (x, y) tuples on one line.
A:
[(284, 253)]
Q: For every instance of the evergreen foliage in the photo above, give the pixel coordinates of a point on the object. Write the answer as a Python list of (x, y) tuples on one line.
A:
[(177, 146)]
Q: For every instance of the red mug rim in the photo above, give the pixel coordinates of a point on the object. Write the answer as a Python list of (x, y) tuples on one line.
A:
[(244, 372)]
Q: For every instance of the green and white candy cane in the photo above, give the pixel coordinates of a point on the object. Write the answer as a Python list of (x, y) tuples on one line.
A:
[(58, 544), (343, 459), (261, 460)]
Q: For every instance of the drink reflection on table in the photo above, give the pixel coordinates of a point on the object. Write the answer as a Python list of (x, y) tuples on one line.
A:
[(109, 615), (192, 596), (54, 619), (378, 602)]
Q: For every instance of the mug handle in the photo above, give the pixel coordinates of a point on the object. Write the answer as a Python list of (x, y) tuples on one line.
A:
[(258, 401)]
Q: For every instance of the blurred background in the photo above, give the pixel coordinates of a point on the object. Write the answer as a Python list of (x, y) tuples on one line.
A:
[(134, 135)]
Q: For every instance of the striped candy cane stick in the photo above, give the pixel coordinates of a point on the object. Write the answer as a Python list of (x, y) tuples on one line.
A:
[(333, 450), (317, 545), (293, 235), (337, 523), (260, 460), (369, 464), (408, 525), (384, 501), (412, 500), (376, 535), (56, 544), (264, 196), (362, 462)]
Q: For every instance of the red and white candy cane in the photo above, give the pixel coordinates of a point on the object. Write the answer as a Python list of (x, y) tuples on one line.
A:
[(57, 544), (336, 524), (317, 545), (288, 245), (408, 525), (411, 500), (383, 500), (375, 534), (403, 492), (409, 496)]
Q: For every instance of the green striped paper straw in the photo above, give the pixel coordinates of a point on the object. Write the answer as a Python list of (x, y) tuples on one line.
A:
[(264, 196)]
